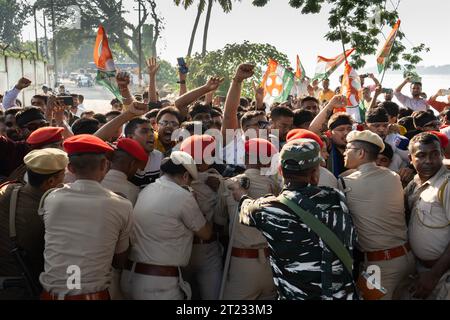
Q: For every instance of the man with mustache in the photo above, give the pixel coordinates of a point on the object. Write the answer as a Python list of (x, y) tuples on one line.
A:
[(428, 199)]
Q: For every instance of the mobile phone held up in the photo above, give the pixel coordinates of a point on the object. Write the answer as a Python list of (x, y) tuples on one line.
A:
[(182, 66), (67, 100)]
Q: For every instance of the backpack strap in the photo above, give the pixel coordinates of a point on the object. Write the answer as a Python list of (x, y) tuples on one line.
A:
[(12, 212), (327, 236), (41, 203)]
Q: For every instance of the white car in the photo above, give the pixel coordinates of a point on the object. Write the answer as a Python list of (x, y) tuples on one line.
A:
[(84, 81)]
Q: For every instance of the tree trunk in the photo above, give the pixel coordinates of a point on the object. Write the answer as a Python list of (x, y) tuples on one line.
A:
[(194, 30), (205, 32)]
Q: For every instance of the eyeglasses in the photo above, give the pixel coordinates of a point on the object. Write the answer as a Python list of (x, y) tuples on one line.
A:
[(352, 149), (165, 123)]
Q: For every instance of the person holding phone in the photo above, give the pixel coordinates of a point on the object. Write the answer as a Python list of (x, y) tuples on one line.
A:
[(415, 103), (440, 105)]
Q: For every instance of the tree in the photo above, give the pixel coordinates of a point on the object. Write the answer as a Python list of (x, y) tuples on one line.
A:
[(226, 5), (13, 16), (200, 7), (223, 63), (110, 13), (361, 22)]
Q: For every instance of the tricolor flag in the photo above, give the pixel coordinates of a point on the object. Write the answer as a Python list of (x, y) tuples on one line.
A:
[(103, 59), (385, 51), (300, 71), (351, 87), (277, 83), (325, 67)]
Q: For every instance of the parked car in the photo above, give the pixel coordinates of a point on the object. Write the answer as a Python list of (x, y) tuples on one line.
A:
[(84, 81)]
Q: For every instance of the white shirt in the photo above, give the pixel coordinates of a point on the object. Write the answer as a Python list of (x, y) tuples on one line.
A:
[(446, 131), (117, 182), (142, 178), (327, 179), (166, 217), (411, 103), (85, 225)]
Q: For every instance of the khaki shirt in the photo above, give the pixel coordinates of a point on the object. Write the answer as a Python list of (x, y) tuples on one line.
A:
[(117, 182), (208, 199), (327, 179), (260, 185), (376, 202), (429, 226), (166, 216), (85, 225), (29, 229)]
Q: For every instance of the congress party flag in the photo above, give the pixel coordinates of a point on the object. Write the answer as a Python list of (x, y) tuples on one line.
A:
[(103, 59), (325, 67), (300, 71), (351, 88), (277, 83), (385, 50)]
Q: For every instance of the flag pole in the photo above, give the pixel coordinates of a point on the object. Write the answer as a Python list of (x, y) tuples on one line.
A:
[(342, 40)]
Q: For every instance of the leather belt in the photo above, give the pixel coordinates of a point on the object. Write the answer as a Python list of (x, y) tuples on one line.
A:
[(248, 253), (101, 295), (152, 270), (388, 254), (197, 240)]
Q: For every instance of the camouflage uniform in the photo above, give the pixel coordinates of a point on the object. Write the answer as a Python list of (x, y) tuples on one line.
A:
[(303, 266)]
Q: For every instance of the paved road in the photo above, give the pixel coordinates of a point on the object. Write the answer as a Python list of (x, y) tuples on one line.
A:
[(96, 98)]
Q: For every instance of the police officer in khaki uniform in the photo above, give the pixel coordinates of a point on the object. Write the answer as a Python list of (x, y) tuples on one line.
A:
[(45, 170), (250, 276), (326, 179), (375, 200), (128, 157), (87, 227), (428, 197), (204, 271), (166, 218)]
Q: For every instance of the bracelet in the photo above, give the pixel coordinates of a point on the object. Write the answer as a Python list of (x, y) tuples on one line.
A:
[(182, 82)]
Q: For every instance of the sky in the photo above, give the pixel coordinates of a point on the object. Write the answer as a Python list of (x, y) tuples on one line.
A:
[(291, 32)]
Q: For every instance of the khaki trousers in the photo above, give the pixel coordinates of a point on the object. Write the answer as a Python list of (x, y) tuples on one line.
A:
[(395, 274), (137, 286), (249, 279), (204, 272)]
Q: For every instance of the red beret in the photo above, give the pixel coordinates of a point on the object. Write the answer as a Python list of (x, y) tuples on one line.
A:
[(442, 138), (195, 146), (133, 148), (45, 135), (295, 134), (257, 145), (86, 143)]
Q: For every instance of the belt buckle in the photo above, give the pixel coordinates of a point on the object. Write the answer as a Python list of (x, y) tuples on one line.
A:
[(387, 255)]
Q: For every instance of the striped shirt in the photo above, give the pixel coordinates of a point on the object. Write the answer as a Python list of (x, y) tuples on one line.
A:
[(142, 178)]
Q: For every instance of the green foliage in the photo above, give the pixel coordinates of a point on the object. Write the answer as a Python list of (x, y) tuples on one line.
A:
[(167, 77), (362, 23), (224, 62), (13, 16)]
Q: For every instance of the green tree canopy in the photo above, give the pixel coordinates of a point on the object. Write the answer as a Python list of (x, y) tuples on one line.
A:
[(224, 62), (362, 25), (13, 16)]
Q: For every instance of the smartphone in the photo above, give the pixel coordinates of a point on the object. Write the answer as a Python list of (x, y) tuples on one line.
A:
[(182, 66), (67, 100)]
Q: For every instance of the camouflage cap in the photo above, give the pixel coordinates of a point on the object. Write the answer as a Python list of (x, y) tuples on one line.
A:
[(300, 154)]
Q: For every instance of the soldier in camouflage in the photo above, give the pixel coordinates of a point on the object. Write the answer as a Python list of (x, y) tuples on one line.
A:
[(303, 266)]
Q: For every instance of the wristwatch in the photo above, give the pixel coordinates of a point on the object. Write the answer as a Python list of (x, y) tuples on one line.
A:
[(182, 82)]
